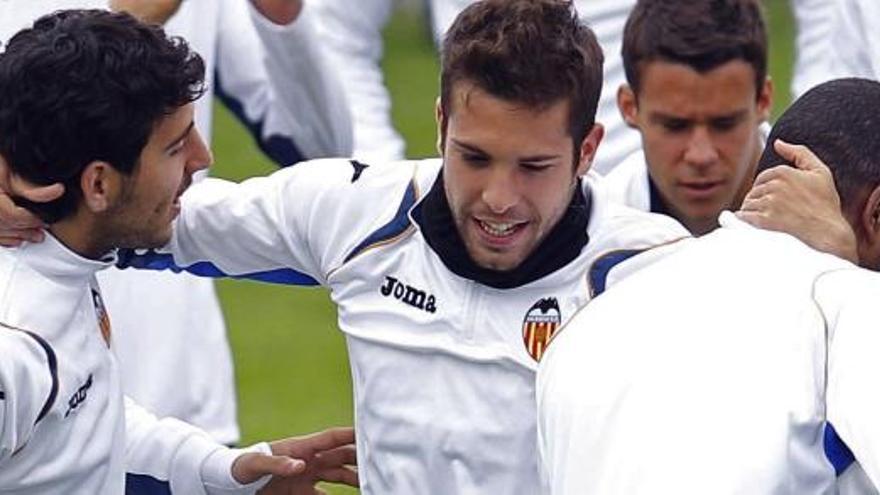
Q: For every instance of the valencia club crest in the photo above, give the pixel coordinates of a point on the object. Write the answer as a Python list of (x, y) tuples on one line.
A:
[(103, 317), (539, 325)]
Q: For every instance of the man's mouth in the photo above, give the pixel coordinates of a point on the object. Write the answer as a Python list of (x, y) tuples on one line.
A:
[(500, 229), (702, 188)]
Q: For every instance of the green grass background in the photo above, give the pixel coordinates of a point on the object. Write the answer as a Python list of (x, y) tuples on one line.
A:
[(291, 362)]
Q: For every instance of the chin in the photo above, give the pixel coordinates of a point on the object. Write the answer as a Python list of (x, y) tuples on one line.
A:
[(497, 263)]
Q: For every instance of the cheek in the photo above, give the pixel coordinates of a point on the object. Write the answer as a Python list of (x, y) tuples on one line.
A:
[(462, 185), (665, 148), (739, 148)]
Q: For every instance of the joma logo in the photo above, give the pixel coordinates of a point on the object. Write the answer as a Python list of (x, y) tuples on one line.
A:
[(78, 397), (416, 298)]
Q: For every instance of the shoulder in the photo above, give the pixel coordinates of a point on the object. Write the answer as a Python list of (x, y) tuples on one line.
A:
[(619, 226), (627, 183)]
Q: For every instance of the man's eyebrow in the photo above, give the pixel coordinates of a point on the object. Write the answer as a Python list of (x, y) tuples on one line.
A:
[(738, 114), (477, 150), (539, 158), (181, 137), (468, 147), (662, 116), (657, 116)]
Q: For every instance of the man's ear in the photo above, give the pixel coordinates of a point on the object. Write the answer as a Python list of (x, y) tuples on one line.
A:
[(628, 104), (441, 125), (588, 148), (869, 225), (101, 186), (765, 100)]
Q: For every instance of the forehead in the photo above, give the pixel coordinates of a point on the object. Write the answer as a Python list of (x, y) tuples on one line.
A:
[(475, 113), (678, 89)]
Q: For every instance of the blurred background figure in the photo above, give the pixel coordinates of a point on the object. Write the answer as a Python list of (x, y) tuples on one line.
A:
[(855, 38), (179, 364), (813, 50)]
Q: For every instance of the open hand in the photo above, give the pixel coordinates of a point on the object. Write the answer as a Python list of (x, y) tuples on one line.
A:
[(329, 456), (800, 200)]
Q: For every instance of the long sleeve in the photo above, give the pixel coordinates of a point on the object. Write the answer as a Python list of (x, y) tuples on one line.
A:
[(855, 39), (848, 300), (27, 382), (294, 227), (183, 456), (276, 81), (351, 33)]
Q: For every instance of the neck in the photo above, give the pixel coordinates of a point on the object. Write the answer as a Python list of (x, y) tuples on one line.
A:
[(79, 235), (699, 226)]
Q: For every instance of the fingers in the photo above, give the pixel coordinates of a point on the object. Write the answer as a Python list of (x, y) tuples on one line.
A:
[(252, 466), (335, 458), (309, 445), (798, 155), (37, 194), (341, 475), (18, 224), (14, 238)]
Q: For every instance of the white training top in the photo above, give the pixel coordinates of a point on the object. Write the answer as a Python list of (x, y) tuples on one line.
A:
[(443, 378), (63, 425), (720, 369), (169, 329)]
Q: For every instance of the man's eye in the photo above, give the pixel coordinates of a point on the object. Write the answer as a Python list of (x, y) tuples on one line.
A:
[(724, 124), (177, 148), (472, 158), (535, 167), (675, 125)]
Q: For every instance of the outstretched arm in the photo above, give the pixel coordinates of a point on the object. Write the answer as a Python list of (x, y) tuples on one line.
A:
[(189, 462), (271, 73)]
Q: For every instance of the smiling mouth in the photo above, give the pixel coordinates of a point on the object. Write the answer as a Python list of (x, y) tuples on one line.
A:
[(500, 229)]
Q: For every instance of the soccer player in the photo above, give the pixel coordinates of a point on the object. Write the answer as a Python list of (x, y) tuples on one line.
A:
[(697, 90), (276, 82), (691, 395), (103, 104), (450, 275)]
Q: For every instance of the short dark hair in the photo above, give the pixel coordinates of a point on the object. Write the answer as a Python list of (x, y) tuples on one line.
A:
[(837, 121), (86, 85), (533, 52), (702, 34)]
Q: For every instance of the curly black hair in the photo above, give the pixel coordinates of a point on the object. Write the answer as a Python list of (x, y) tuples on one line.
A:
[(87, 85)]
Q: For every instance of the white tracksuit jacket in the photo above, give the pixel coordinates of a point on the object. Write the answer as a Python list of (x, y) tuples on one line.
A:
[(64, 426), (717, 370), (443, 379)]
